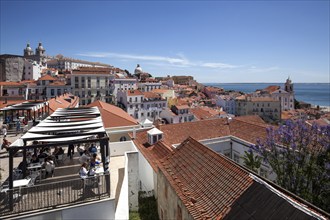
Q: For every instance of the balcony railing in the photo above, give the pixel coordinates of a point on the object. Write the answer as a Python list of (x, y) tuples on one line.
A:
[(20, 201)]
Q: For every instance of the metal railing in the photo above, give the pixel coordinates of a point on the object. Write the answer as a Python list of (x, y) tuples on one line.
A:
[(19, 201)]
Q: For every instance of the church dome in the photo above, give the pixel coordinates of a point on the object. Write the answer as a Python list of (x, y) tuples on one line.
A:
[(40, 47), (138, 70), (28, 48)]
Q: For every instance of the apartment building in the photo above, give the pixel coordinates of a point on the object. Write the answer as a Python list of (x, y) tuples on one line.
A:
[(91, 84), (266, 107), (142, 105)]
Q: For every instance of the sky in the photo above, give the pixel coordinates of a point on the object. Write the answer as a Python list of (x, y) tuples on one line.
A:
[(214, 41)]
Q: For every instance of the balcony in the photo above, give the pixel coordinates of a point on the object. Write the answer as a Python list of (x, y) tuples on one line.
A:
[(63, 190)]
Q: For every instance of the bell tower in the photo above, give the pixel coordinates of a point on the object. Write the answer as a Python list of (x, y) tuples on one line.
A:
[(288, 85)]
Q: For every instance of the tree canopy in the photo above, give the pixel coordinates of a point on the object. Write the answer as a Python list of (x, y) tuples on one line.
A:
[(299, 154)]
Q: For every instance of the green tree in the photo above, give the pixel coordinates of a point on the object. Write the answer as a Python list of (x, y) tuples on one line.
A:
[(252, 161)]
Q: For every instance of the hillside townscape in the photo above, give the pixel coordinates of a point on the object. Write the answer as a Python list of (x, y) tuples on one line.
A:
[(92, 140)]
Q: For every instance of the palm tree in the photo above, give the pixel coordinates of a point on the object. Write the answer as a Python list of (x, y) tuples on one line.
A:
[(252, 161)]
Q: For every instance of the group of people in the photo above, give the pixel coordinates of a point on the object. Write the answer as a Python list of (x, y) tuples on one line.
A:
[(48, 159), (88, 164)]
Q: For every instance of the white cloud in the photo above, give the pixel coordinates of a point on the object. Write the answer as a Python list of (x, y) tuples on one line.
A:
[(218, 65), (254, 69), (179, 61)]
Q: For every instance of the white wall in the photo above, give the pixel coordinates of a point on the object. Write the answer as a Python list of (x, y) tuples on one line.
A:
[(119, 148), (104, 209), (145, 174), (133, 179)]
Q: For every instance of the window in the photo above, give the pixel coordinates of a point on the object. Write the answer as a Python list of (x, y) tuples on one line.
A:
[(135, 99), (227, 154), (130, 99), (123, 138), (52, 92), (236, 158)]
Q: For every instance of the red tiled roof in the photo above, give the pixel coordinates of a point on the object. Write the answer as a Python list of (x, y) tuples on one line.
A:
[(57, 83), (206, 182), (8, 83), (10, 102), (160, 90), (134, 92), (271, 89), (204, 113), (153, 153), (248, 128), (182, 106), (151, 95), (46, 77), (206, 129), (113, 116), (60, 102), (92, 70)]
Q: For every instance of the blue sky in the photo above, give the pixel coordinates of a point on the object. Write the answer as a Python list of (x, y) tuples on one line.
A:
[(214, 41)]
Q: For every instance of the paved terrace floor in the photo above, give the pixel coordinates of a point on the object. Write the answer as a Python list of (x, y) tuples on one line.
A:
[(65, 178)]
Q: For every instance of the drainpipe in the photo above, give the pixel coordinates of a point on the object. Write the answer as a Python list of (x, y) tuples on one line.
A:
[(231, 149)]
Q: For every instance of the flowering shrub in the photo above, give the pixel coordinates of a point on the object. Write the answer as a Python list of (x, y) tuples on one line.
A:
[(299, 154)]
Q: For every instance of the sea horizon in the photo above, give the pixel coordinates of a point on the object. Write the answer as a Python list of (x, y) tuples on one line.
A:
[(313, 93)]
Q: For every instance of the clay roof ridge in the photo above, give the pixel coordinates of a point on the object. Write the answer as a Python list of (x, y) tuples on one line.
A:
[(105, 109)]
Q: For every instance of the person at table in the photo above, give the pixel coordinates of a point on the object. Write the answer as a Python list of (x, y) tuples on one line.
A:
[(84, 157), (5, 144), (35, 159), (49, 167), (95, 160), (43, 154), (92, 149), (83, 172)]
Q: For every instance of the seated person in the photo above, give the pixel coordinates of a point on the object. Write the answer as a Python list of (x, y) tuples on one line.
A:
[(80, 149), (92, 149), (35, 159), (60, 151), (28, 157), (83, 171), (49, 166), (84, 157), (43, 154), (95, 160), (5, 144)]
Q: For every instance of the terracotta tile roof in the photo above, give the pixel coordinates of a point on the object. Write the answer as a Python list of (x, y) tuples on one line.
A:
[(248, 131), (271, 89), (60, 102), (8, 83), (262, 99), (134, 92), (200, 130), (204, 113), (206, 182), (113, 116), (160, 90), (153, 153), (92, 70), (57, 83), (151, 95), (182, 106), (10, 102), (46, 77), (248, 128)]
